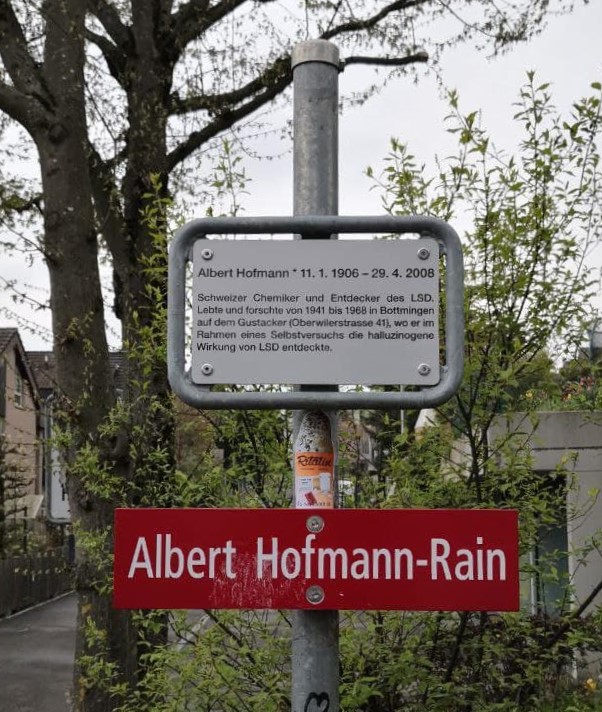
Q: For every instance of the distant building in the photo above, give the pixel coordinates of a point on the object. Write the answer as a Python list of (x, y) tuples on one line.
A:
[(361, 456), (563, 441), (21, 430), (55, 489), (44, 368)]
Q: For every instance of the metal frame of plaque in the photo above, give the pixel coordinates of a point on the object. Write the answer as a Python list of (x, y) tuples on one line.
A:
[(202, 397)]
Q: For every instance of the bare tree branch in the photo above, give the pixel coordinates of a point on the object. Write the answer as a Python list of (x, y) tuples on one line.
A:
[(270, 83), (196, 17), (216, 102), (109, 18), (23, 70), (108, 212), (225, 120), (373, 20), (110, 221), (114, 57), (388, 61), (190, 11), (19, 107)]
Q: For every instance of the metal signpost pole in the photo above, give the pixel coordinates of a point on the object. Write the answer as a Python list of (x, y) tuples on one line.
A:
[(315, 646)]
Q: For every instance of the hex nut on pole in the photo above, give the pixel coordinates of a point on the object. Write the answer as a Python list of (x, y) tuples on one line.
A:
[(424, 369), (206, 369), (423, 253), (207, 253)]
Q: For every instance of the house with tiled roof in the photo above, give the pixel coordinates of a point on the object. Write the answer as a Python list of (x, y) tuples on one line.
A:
[(21, 461), (55, 486), (43, 366)]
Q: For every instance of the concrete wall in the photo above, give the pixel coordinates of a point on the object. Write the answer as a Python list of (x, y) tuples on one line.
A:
[(574, 440)]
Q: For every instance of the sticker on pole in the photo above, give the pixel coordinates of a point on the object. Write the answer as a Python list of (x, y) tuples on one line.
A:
[(353, 559), (313, 462), (316, 311)]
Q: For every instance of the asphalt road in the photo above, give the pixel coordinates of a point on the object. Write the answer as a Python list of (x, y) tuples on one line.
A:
[(36, 657)]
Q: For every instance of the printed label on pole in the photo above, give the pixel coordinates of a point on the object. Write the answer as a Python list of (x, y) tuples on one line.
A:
[(316, 311), (314, 463), (313, 479), (355, 559)]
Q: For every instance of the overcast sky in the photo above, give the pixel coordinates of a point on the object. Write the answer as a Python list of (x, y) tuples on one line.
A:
[(568, 54)]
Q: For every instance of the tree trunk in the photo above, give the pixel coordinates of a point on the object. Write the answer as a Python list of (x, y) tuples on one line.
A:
[(139, 453), (83, 371)]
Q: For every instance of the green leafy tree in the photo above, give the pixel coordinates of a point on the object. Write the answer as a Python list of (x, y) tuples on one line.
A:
[(532, 219)]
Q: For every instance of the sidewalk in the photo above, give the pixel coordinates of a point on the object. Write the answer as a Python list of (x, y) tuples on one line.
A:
[(36, 657)]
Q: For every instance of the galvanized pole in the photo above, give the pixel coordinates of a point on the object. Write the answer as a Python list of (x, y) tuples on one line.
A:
[(315, 645)]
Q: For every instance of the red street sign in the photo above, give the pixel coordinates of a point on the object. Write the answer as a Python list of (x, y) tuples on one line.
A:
[(354, 559)]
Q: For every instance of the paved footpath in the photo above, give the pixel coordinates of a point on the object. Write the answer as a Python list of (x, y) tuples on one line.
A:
[(36, 657)]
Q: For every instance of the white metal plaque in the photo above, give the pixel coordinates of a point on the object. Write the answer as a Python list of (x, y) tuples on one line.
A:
[(316, 311)]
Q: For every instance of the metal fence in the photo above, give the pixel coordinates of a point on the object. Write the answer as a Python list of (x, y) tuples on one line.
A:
[(29, 579)]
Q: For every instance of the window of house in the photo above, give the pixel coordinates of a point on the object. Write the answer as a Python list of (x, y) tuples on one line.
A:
[(19, 391), (365, 445), (549, 556)]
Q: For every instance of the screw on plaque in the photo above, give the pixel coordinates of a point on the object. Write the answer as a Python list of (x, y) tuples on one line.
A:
[(315, 594), (206, 369), (206, 253), (424, 369), (315, 524), (423, 253)]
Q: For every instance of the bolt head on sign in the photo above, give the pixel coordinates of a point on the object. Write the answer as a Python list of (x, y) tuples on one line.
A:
[(405, 559)]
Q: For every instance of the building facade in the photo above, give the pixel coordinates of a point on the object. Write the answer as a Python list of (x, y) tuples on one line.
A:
[(22, 474)]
